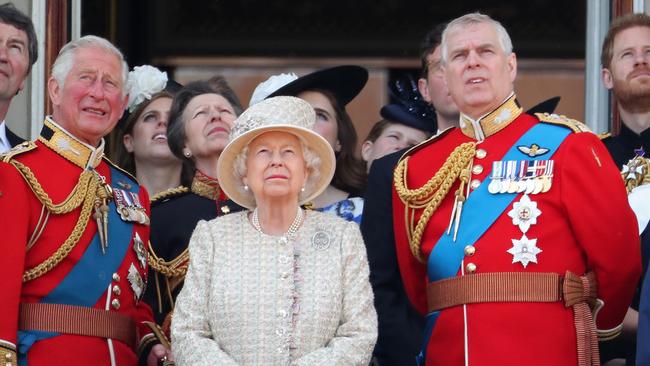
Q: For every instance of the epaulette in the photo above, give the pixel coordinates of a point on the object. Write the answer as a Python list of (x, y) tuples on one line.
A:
[(21, 148), (574, 125), (426, 143), (169, 193), (604, 135)]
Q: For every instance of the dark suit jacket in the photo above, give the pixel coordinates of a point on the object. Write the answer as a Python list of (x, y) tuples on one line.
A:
[(401, 328), (12, 137)]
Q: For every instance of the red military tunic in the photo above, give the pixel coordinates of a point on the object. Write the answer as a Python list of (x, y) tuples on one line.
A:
[(57, 169), (585, 225)]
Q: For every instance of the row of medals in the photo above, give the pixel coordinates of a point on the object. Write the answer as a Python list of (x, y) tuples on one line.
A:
[(531, 177)]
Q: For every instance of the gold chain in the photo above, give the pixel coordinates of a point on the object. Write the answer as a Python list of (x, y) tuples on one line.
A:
[(175, 268), (72, 240), (431, 194), (74, 199)]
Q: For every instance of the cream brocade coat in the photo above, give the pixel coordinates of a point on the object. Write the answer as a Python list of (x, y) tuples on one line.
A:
[(252, 299)]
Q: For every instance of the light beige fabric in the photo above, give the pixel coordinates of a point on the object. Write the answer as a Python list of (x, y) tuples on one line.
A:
[(250, 299)]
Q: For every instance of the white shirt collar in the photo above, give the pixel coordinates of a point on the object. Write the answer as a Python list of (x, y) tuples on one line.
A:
[(4, 142)]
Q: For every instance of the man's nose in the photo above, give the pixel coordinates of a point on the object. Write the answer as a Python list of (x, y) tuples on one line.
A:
[(97, 89), (3, 52), (641, 58)]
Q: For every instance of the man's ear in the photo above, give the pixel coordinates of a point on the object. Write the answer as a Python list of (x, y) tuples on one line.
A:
[(54, 90), (512, 65), (423, 87), (125, 102), (366, 149), (127, 140), (608, 79)]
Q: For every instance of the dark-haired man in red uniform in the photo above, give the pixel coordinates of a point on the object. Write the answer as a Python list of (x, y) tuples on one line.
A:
[(75, 228), (513, 232)]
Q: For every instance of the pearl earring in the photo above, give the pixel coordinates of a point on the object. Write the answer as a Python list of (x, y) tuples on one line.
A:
[(246, 187), (187, 154), (302, 189)]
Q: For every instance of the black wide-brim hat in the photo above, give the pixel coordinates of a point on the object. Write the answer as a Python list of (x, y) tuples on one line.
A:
[(343, 82), (398, 113)]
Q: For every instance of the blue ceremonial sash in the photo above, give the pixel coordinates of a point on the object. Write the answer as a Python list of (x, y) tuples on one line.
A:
[(480, 210), (91, 275)]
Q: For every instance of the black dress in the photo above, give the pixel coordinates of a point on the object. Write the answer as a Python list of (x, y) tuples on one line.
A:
[(401, 327), (174, 215)]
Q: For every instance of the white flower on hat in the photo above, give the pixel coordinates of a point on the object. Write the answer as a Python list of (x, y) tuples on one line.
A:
[(268, 87), (144, 81)]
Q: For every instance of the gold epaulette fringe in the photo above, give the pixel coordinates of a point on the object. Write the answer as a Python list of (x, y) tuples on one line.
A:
[(574, 125), (17, 150), (168, 193), (431, 194)]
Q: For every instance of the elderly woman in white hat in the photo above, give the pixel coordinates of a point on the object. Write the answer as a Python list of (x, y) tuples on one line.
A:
[(275, 285)]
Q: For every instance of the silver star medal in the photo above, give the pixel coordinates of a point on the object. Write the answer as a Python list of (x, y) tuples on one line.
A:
[(140, 251), (136, 281), (524, 250), (524, 213), (632, 169)]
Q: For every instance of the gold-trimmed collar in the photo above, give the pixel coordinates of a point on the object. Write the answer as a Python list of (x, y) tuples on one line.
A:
[(65, 144), (492, 122), (205, 186)]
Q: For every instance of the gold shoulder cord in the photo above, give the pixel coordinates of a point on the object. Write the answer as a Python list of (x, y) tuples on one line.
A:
[(431, 194), (174, 272), (82, 195), (168, 192)]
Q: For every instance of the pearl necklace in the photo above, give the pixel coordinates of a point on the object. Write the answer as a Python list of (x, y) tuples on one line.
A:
[(293, 228)]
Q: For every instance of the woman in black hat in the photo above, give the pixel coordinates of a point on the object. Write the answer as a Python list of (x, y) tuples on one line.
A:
[(329, 91)]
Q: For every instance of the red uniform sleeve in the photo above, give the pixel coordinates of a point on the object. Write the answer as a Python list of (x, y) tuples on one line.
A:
[(603, 224), (14, 226), (414, 274)]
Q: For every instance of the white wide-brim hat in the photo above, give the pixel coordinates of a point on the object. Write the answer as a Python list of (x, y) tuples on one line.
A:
[(285, 114)]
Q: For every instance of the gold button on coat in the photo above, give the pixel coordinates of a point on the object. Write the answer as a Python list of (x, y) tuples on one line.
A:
[(470, 250), (116, 277), (470, 268), (115, 304)]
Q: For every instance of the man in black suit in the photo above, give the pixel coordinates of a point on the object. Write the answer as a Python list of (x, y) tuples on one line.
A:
[(400, 326), (18, 52)]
